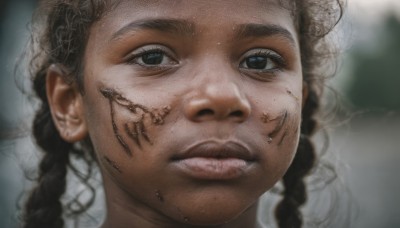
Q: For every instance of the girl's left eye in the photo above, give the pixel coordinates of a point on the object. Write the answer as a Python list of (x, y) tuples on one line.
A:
[(263, 60), (152, 56)]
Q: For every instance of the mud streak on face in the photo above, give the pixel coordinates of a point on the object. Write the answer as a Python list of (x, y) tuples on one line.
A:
[(135, 130), (116, 131), (112, 164), (292, 95), (292, 128), (278, 128), (266, 118)]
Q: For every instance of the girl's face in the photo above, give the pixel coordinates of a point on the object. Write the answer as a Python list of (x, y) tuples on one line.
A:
[(193, 107)]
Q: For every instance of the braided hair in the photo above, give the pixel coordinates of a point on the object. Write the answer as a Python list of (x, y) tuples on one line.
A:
[(315, 53), (62, 39)]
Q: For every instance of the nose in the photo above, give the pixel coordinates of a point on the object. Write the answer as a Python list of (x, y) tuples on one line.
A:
[(218, 101)]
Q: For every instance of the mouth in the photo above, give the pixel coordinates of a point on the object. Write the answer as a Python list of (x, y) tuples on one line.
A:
[(213, 160)]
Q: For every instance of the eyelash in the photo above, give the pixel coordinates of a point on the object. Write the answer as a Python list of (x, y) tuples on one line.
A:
[(137, 57), (269, 55), (162, 61)]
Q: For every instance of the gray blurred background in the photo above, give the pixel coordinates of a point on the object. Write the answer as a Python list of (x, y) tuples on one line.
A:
[(364, 141)]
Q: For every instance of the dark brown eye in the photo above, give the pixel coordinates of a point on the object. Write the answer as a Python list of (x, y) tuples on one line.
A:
[(262, 60), (154, 58), (257, 62)]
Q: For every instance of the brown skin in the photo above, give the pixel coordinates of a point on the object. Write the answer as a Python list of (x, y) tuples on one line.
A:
[(212, 94)]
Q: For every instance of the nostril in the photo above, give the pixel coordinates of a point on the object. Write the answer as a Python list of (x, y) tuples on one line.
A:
[(237, 113), (205, 112)]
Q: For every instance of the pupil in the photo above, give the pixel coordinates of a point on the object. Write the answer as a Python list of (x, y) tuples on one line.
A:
[(153, 58), (256, 62)]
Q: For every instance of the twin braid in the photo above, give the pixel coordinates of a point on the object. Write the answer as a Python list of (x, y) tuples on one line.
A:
[(62, 40), (44, 207), (316, 21), (288, 212)]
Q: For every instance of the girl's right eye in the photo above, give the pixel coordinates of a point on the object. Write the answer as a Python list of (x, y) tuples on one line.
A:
[(152, 56)]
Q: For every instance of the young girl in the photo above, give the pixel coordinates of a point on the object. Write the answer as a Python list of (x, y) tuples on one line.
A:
[(192, 109)]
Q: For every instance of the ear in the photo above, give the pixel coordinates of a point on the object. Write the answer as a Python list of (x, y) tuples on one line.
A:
[(66, 105), (305, 94)]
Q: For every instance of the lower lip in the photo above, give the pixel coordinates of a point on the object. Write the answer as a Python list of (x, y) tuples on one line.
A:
[(213, 168)]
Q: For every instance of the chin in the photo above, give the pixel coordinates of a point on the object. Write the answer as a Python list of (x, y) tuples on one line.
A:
[(213, 219), (215, 211)]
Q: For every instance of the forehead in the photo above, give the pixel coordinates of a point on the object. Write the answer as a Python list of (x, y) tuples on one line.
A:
[(202, 13), (198, 5)]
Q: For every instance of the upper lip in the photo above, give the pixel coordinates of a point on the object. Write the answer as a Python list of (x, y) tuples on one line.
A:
[(217, 150)]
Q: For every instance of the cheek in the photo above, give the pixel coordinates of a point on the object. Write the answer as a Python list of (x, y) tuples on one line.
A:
[(280, 117), (121, 129), (130, 121), (280, 124), (108, 150)]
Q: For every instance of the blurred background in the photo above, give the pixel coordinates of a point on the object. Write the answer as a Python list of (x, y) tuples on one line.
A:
[(364, 141)]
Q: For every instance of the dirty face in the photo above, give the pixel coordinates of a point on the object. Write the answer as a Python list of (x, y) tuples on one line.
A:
[(193, 108)]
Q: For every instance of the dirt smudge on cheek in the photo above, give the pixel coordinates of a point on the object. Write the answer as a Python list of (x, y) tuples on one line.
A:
[(116, 131), (285, 134), (113, 164), (266, 118), (135, 129), (292, 95), (292, 127), (281, 120)]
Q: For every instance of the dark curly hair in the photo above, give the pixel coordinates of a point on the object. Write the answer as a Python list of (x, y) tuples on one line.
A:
[(61, 37)]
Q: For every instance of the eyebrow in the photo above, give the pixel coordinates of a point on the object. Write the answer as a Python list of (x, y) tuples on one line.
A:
[(181, 27), (184, 27), (263, 30)]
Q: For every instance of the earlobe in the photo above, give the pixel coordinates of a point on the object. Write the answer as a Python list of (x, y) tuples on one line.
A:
[(66, 105)]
